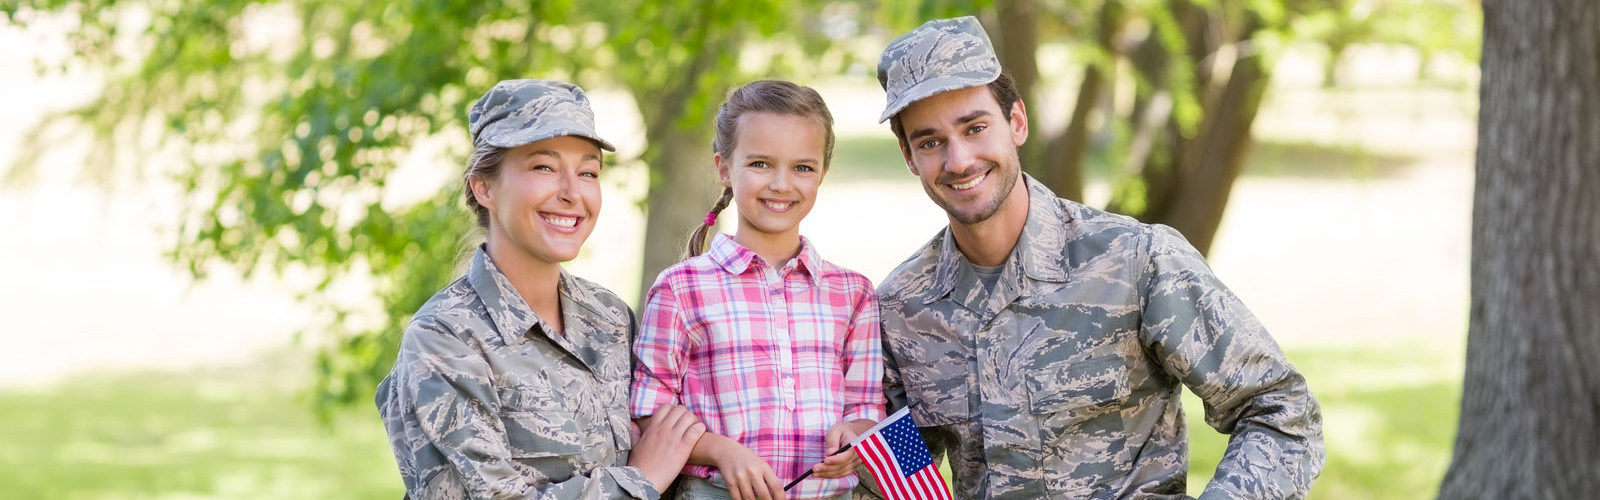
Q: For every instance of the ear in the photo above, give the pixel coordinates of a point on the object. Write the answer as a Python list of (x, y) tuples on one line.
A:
[(905, 152), (722, 169), (482, 192), (1019, 122)]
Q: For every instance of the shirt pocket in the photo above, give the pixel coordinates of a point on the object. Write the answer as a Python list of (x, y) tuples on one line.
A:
[(538, 434), (1082, 389), (941, 394), (530, 397)]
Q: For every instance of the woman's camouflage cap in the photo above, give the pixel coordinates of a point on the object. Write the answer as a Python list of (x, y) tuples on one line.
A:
[(939, 56), (517, 112)]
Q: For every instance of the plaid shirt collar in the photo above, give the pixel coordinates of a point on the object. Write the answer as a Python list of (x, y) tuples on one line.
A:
[(736, 259)]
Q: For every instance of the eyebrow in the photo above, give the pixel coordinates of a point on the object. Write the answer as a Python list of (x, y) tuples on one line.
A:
[(925, 131), (774, 160), (553, 154)]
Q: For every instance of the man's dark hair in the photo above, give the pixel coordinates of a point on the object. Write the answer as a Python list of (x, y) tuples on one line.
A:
[(1004, 90)]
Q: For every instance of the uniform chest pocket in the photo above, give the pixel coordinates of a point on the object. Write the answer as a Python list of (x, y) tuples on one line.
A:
[(534, 434), (941, 400), (1083, 389)]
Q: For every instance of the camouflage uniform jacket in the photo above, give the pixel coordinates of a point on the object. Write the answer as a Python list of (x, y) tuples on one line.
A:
[(486, 402), (1065, 381)]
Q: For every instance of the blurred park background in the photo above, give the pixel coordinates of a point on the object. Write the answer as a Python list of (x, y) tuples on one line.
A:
[(218, 215)]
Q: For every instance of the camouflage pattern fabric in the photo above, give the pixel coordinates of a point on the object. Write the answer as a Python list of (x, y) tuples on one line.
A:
[(1065, 381), (940, 55), (485, 401), (517, 112)]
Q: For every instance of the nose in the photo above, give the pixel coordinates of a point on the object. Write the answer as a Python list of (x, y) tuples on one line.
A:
[(782, 181), (960, 156), (567, 189)]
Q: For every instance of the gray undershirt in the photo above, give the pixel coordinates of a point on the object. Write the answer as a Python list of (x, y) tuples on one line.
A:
[(989, 275)]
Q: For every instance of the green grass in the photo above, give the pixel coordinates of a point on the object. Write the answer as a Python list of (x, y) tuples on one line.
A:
[(1389, 420), (241, 433), (237, 433)]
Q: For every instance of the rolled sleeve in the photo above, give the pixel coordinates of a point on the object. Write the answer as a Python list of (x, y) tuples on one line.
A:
[(863, 362), (660, 347)]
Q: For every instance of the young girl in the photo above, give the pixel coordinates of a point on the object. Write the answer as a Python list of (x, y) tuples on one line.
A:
[(775, 349), (511, 382)]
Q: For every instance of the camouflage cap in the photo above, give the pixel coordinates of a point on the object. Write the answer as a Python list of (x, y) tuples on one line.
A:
[(517, 112), (940, 55)]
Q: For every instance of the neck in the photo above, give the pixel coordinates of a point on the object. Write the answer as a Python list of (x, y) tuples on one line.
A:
[(535, 280), (775, 249), (990, 242)]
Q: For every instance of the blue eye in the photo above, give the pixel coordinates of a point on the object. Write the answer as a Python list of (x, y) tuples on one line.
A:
[(930, 144), (805, 168), (977, 128), (758, 164)]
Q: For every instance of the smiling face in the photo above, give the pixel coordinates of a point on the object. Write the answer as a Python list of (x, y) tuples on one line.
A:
[(775, 168), (544, 201), (963, 148)]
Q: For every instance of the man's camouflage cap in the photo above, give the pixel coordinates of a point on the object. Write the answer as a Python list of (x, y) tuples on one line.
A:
[(517, 112), (941, 55)]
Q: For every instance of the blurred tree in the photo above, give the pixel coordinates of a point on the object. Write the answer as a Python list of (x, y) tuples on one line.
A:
[(1530, 405), (290, 116), (1198, 71), (1429, 26)]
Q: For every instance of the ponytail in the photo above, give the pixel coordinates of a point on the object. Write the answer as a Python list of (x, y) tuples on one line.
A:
[(697, 239)]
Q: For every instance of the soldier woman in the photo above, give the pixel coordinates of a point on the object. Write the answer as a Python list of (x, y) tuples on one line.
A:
[(512, 382)]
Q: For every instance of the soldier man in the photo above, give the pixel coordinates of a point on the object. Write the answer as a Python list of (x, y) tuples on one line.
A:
[(1047, 343)]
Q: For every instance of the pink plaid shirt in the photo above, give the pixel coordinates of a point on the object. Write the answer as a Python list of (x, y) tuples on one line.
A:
[(771, 358)]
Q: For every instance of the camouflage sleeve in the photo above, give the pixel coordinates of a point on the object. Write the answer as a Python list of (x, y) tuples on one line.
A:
[(894, 390), (1201, 333), (863, 362), (447, 383)]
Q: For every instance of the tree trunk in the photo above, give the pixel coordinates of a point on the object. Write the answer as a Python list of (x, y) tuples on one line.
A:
[(1213, 159), (1061, 165), (682, 188), (1187, 182), (1018, 48), (1530, 406)]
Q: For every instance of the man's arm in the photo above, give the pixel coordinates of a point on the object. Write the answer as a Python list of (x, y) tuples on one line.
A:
[(1201, 333)]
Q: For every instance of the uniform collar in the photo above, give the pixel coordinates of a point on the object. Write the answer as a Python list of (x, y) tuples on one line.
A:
[(513, 318), (736, 259), (1039, 248)]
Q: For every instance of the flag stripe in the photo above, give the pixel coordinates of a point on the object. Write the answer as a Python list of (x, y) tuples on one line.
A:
[(934, 484), (888, 448), (921, 480), (889, 479)]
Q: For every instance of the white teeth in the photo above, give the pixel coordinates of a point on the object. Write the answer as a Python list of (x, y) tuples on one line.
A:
[(969, 185), (777, 206), (562, 221)]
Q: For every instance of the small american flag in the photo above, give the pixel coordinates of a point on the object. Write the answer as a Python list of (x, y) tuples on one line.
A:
[(898, 458)]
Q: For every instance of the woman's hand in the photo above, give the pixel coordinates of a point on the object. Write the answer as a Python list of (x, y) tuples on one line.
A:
[(748, 476), (842, 464), (664, 443)]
